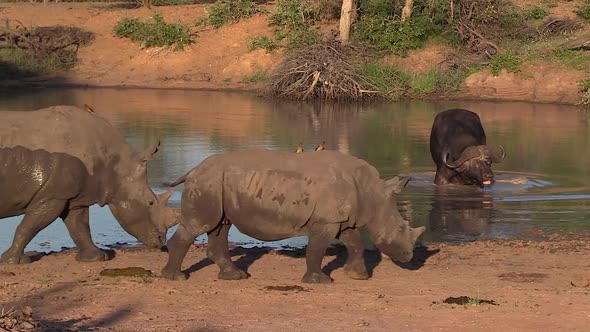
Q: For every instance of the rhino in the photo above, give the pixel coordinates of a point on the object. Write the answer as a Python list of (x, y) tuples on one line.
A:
[(52, 142), (459, 151), (273, 195)]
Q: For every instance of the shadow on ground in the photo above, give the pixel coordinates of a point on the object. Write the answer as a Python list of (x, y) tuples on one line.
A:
[(338, 253)]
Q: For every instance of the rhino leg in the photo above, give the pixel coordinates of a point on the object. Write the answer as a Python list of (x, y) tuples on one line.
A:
[(320, 237), (218, 252), (177, 248), (77, 222), (38, 215), (355, 263)]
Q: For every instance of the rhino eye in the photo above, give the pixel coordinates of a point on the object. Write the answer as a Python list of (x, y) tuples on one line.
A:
[(151, 203)]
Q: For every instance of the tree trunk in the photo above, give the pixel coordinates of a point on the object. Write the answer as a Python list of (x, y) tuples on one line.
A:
[(347, 15), (407, 10)]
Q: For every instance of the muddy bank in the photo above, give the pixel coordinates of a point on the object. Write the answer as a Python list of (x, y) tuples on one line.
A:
[(219, 59), (488, 286)]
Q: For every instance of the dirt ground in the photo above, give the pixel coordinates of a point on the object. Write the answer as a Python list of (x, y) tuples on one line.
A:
[(521, 286), (219, 58)]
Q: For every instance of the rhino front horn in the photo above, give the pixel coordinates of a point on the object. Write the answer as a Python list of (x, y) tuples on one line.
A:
[(416, 232), (164, 197)]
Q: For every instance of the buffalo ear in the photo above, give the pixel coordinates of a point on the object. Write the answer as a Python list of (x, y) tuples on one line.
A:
[(148, 153), (396, 184)]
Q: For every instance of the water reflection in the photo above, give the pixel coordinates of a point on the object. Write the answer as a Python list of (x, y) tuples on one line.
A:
[(460, 214), (546, 148)]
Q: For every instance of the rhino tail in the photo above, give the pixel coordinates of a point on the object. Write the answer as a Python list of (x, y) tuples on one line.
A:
[(177, 182)]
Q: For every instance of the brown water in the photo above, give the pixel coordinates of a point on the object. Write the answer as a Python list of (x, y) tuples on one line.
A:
[(542, 184)]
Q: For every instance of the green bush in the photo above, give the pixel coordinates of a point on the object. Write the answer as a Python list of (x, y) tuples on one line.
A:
[(392, 82), (157, 32), (293, 22), (263, 42), (505, 60), (258, 77), (16, 63), (584, 12), (585, 87), (226, 11), (380, 25), (535, 12)]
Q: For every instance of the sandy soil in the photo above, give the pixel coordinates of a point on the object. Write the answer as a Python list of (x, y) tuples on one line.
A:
[(534, 285), (219, 58)]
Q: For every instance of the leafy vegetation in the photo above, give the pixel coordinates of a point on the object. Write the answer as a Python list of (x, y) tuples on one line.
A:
[(380, 25), (584, 11), (17, 63), (390, 80), (230, 11), (293, 22), (585, 87), (508, 60), (395, 84), (263, 42), (257, 77), (474, 301), (156, 32), (535, 12)]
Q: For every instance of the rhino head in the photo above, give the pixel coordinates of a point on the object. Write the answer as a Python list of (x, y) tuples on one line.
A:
[(390, 232), (140, 212), (475, 164)]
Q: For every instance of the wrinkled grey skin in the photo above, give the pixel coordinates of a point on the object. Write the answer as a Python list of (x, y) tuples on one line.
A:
[(273, 195), (117, 173), (458, 148)]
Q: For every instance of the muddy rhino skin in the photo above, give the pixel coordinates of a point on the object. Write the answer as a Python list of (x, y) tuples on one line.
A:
[(117, 173), (273, 195), (43, 186)]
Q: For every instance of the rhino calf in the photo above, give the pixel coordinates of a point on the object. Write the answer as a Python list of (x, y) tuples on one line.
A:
[(273, 195), (44, 186)]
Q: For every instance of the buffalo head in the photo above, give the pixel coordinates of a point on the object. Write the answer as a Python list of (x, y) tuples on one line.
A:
[(474, 164)]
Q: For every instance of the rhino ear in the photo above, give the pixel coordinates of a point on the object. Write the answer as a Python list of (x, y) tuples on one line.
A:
[(148, 153), (396, 184)]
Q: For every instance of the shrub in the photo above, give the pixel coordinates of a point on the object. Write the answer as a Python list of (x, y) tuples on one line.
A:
[(17, 63), (389, 80), (293, 22), (584, 12), (263, 42), (535, 12), (155, 33), (379, 24), (505, 60), (585, 87), (224, 11)]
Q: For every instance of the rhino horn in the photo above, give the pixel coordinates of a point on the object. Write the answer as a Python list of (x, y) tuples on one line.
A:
[(416, 232), (396, 184), (164, 197), (148, 153)]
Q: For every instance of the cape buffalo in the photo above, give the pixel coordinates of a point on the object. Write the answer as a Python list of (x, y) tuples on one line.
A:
[(458, 148), (273, 195)]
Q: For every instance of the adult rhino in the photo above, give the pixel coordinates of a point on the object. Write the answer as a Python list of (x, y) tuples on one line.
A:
[(272, 195), (458, 148), (117, 176)]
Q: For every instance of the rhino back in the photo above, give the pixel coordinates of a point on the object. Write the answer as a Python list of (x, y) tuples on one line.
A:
[(26, 176), (66, 129)]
